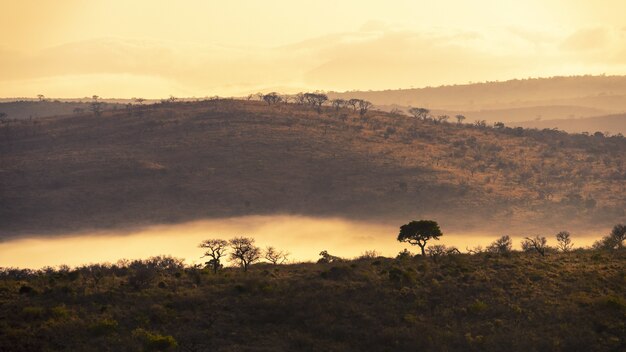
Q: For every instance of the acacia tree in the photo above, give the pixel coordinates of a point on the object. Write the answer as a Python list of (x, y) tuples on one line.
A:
[(216, 249), (272, 98), (564, 243), (275, 256), (353, 103), (459, 119), (338, 104), (364, 105), (419, 113), (316, 100), (96, 106), (419, 233), (537, 244), (244, 251)]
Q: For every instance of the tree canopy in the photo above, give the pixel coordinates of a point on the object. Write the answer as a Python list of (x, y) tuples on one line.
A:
[(419, 232)]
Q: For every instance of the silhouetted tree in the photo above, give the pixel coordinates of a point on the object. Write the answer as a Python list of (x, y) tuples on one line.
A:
[(272, 98), (615, 240), (216, 249), (316, 100), (564, 243), (537, 244), (440, 250), (139, 100), (419, 233), (275, 256), (353, 103), (41, 97), (460, 118), (503, 245), (338, 104), (244, 251), (328, 258), (442, 118), (364, 106), (96, 105), (419, 113)]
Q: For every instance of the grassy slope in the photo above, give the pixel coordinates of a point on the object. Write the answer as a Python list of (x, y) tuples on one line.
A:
[(185, 161), (521, 302)]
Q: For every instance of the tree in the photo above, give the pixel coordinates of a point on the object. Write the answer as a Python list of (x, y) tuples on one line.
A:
[(364, 105), (419, 233), (502, 245), (338, 104), (615, 240), (41, 97), (139, 100), (459, 119), (353, 103), (216, 249), (275, 256), (316, 100), (419, 113), (440, 250), (272, 98), (564, 243), (96, 106), (244, 251), (536, 243), (442, 118)]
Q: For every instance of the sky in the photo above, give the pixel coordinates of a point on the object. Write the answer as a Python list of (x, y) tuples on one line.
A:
[(191, 48)]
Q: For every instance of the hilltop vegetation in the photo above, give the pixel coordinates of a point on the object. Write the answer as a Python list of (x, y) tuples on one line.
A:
[(180, 161), (483, 302)]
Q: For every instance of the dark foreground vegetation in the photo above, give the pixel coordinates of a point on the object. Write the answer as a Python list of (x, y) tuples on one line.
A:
[(493, 300)]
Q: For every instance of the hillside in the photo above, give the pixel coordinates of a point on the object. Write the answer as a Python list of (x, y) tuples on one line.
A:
[(483, 302), (174, 162), (612, 123), (599, 92)]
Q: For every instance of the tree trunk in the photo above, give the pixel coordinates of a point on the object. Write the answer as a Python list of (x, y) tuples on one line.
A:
[(422, 248)]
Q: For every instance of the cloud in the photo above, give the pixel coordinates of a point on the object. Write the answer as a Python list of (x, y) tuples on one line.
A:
[(377, 56)]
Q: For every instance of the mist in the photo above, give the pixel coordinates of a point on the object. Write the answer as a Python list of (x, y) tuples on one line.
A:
[(303, 237)]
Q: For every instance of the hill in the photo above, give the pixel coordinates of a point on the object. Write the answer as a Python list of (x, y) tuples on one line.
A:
[(175, 162), (483, 302), (612, 123)]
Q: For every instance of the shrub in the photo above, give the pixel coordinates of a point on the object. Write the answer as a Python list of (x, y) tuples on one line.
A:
[(103, 327), (155, 342), (503, 245)]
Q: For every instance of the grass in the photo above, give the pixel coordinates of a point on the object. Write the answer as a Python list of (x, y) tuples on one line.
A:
[(177, 162), (483, 302)]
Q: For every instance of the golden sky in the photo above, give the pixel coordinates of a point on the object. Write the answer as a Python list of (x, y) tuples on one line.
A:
[(153, 48)]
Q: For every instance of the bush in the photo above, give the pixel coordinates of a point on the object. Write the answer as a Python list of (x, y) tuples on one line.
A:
[(155, 342)]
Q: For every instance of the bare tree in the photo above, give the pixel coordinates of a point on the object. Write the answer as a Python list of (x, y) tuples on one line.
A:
[(615, 240), (442, 118), (419, 113), (275, 256), (244, 251), (537, 244), (564, 243), (216, 249), (139, 100)]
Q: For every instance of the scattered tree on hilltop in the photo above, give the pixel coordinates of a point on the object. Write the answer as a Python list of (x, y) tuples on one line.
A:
[(459, 119), (419, 233), (615, 240), (96, 105), (503, 245), (564, 243), (338, 104), (316, 100), (275, 256), (419, 113), (537, 244), (364, 106), (244, 251), (216, 249), (272, 98), (353, 103)]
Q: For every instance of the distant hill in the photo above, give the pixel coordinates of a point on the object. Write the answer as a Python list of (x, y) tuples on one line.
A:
[(601, 92), (613, 124), (26, 109)]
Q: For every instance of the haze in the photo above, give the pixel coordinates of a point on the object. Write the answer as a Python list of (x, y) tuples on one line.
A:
[(196, 48)]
